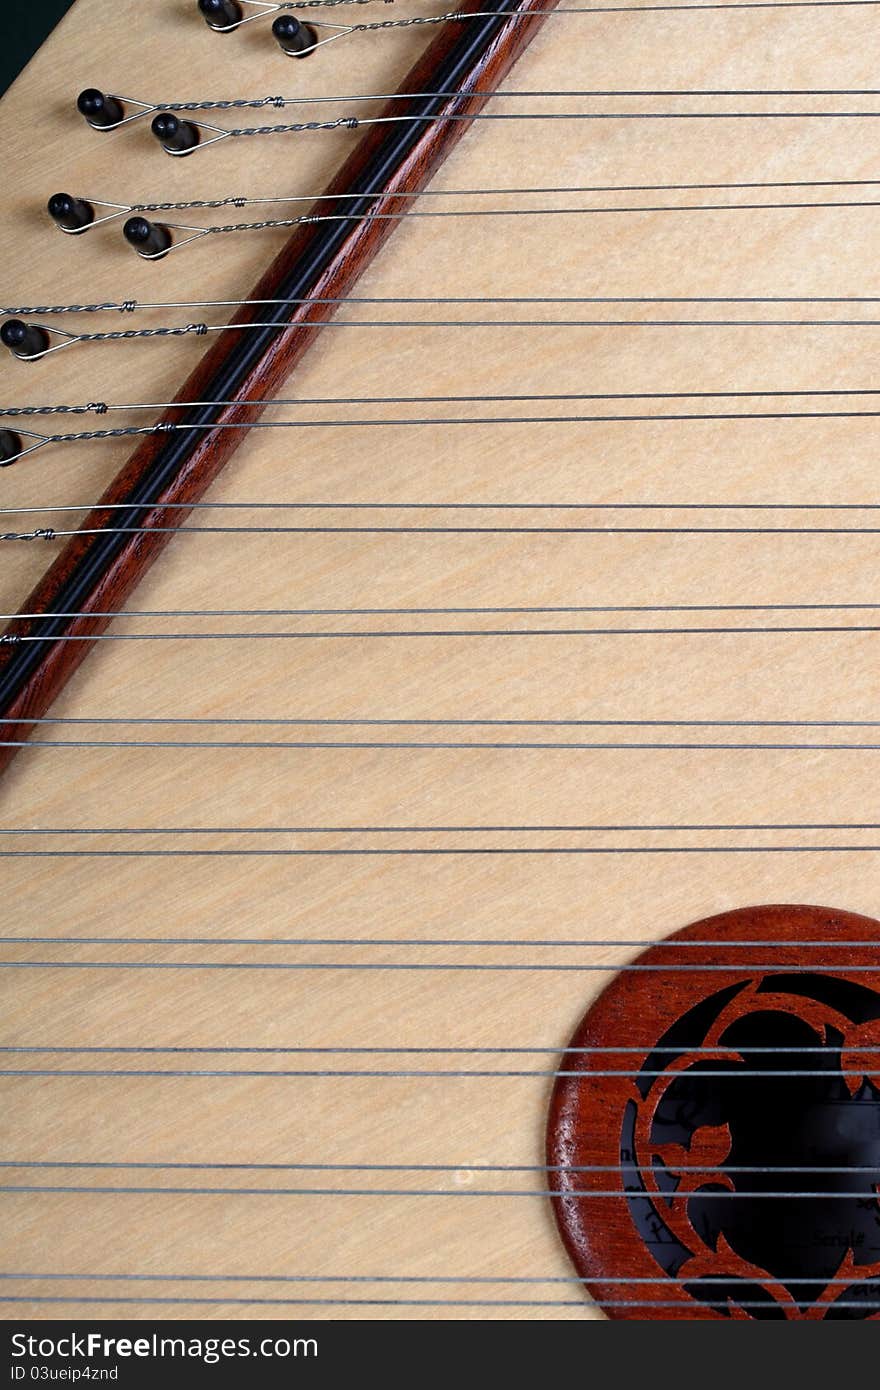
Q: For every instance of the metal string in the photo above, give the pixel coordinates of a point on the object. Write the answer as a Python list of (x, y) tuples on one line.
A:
[(33, 722), (396, 612), (68, 340), (648, 9), (579, 608), (442, 966), (345, 30), (240, 201), (609, 9), (407, 1278), (279, 102), (51, 534), (434, 941), (431, 830), (418, 1280), (313, 218), (431, 1074), (102, 407), (452, 941), (264, 8), (481, 723), (359, 122), (37, 440), (16, 639), (198, 231), (581, 1194), (276, 102), (470, 507), (722, 1301), (199, 329), (827, 1050), (535, 212), (41, 441), (400, 745), (217, 134), (130, 306)]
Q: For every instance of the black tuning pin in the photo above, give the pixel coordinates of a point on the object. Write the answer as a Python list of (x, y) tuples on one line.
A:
[(10, 447), (295, 38), (24, 340), (175, 137), (100, 111), (221, 14), (149, 239), (70, 214)]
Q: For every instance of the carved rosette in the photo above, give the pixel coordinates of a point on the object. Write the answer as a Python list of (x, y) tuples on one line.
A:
[(729, 1168)]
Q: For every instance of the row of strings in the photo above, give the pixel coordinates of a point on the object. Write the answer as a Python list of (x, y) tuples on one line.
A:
[(117, 1178)]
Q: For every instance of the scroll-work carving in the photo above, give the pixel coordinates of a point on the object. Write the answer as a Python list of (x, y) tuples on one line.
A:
[(741, 1150)]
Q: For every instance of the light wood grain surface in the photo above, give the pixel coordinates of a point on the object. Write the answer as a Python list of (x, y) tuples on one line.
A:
[(164, 53)]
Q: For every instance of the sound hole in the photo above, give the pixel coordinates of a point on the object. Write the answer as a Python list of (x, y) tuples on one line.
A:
[(730, 1170)]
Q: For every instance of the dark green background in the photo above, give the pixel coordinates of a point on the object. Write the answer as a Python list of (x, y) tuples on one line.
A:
[(24, 24)]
